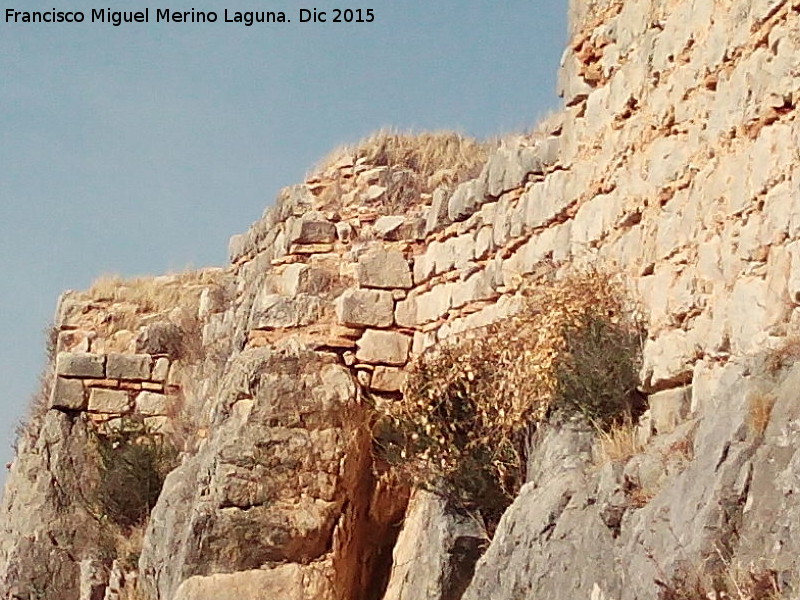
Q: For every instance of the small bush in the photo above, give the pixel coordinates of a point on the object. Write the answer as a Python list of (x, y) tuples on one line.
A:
[(134, 460), (468, 406)]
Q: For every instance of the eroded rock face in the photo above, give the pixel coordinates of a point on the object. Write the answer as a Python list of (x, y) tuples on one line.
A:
[(712, 490), (269, 492)]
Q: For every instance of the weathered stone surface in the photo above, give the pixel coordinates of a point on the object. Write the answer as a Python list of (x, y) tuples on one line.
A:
[(77, 364), (94, 580), (108, 401), (387, 347), (312, 232), (386, 269), (299, 278), (435, 554), (161, 338), (465, 200), (160, 369), (365, 308), (132, 367), (669, 408), (288, 582), (387, 225), (150, 403), (274, 311), (68, 394), (508, 168), (285, 469), (387, 379)]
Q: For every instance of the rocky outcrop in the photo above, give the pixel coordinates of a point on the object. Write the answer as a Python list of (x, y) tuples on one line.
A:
[(673, 163)]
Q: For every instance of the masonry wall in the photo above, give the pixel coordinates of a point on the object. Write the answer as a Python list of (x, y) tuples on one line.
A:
[(674, 162)]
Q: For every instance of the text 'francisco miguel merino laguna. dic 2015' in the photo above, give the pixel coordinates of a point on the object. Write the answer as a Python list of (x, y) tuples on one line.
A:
[(165, 15)]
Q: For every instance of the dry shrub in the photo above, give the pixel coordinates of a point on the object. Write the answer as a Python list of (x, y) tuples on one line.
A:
[(131, 300), (784, 355), (134, 461), (468, 406), (26, 429), (727, 582)]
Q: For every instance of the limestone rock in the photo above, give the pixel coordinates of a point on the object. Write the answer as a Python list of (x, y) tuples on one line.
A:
[(151, 403), (386, 269), (77, 364), (312, 232), (365, 308), (68, 394), (274, 311), (386, 226), (387, 379), (131, 367), (108, 401), (436, 551), (383, 347)]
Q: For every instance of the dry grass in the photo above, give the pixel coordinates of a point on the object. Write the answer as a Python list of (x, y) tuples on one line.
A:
[(618, 443), (723, 581), (428, 154), (151, 294), (417, 164), (784, 355)]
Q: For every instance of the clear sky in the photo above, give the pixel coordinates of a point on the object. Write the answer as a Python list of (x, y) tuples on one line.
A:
[(140, 149)]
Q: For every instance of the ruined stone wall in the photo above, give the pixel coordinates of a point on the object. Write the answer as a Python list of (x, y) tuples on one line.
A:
[(674, 163)]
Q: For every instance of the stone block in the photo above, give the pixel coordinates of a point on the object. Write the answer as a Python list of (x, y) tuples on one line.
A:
[(405, 313), (312, 232), (370, 308), (387, 226), (68, 394), (670, 408), (437, 215), (381, 268), (80, 364), (274, 311), (160, 369), (108, 401), (387, 379), (465, 200), (151, 403), (130, 367), (383, 347), (298, 278)]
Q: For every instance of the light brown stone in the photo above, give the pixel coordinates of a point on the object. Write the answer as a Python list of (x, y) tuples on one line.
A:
[(387, 379), (68, 394), (369, 308), (386, 347), (151, 403), (131, 367), (386, 269), (80, 364), (108, 401), (160, 369)]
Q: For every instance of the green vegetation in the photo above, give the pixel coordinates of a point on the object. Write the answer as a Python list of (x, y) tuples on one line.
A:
[(134, 461)]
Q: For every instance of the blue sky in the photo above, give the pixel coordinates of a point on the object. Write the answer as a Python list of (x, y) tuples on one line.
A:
[(141, 149)]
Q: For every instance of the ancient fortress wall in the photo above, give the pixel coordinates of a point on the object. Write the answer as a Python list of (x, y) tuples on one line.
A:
[(674, 162)]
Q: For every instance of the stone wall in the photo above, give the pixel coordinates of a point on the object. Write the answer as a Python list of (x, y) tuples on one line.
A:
[(673, 163)]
